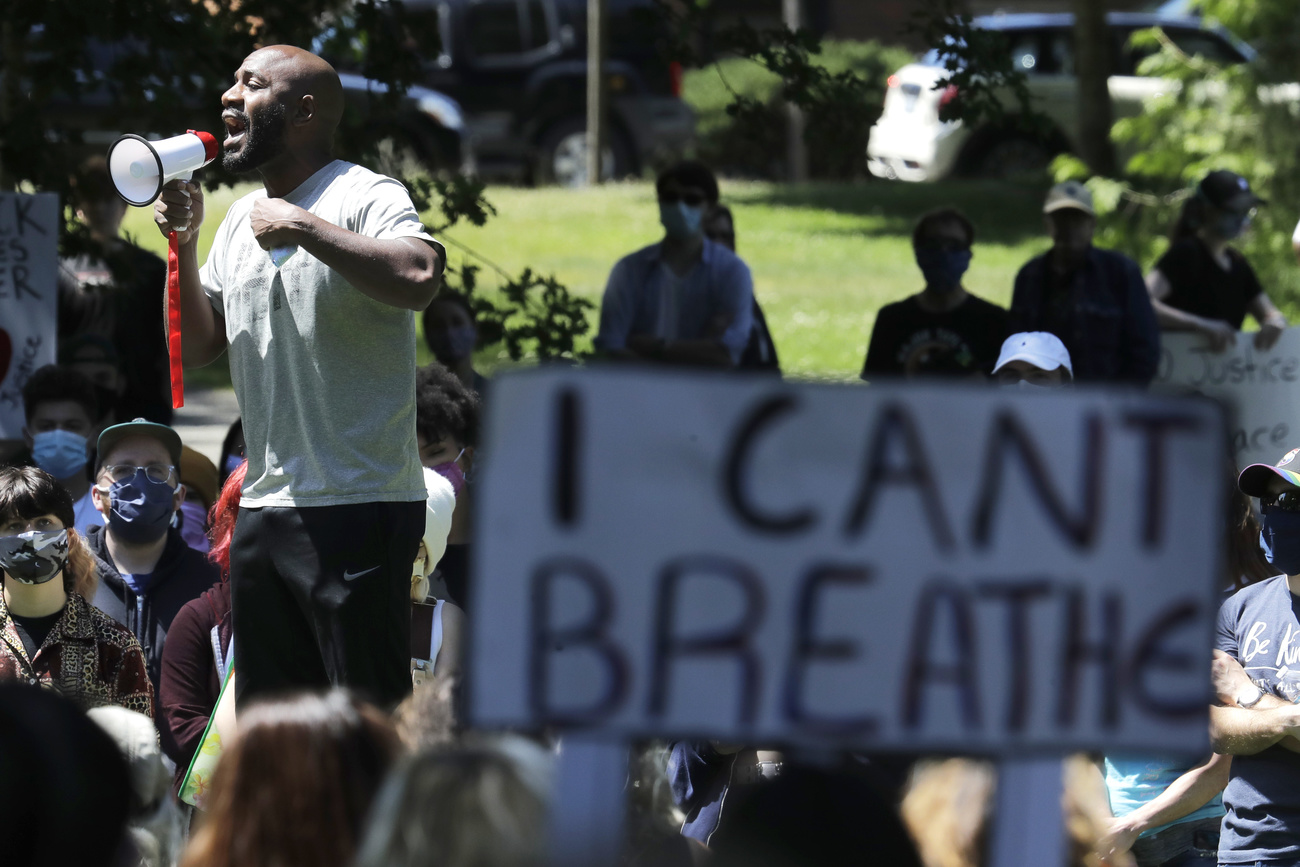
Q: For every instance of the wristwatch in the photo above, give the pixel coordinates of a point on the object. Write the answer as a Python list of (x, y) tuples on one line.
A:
[(1250, 698)]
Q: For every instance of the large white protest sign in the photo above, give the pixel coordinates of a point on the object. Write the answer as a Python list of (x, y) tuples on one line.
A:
[(887, 566), (29, 240), (1261, 388)]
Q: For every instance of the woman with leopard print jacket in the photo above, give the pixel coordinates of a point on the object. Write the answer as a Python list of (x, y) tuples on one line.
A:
[(50, 636)]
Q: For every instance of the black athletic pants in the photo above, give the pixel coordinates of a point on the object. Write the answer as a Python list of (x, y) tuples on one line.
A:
[(321, 596)]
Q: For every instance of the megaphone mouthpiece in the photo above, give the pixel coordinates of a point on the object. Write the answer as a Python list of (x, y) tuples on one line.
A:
[(139, 168)]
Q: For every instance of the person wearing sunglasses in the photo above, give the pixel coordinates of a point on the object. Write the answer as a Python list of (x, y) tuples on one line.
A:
[(1202, 283), (686, 299), (1258, 723), (147, 572), (943, 320)]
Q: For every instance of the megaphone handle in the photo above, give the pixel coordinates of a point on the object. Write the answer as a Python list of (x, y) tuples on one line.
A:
[(174, 320)]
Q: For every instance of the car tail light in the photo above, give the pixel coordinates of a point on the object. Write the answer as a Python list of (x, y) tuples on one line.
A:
[(948, 95), (892, 81), (675, 78)]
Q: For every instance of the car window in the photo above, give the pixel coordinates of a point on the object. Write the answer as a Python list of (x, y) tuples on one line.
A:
[(1058, 58), (539, 29), (1205, 44), (493, 28)]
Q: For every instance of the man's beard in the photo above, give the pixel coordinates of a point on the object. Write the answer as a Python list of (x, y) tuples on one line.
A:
[(263, 141)]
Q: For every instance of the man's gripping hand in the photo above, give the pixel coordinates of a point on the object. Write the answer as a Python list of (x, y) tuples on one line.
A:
[(276, 223), (180, 209)]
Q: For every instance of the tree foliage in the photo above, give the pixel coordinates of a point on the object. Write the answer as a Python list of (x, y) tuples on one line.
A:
[(840, 102), (1240, 117), (70, 67)]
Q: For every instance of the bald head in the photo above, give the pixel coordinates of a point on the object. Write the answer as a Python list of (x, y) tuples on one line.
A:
[(306, 84)]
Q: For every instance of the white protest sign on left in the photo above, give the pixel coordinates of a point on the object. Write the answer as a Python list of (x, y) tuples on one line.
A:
[(29, 264), (1261, 387), (890, 567)]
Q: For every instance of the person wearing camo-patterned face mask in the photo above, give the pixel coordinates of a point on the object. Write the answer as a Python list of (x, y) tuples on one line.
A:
[(49, 634)]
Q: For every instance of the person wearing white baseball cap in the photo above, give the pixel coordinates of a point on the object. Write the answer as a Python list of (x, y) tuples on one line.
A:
[(1094, 300), (1033, 359)]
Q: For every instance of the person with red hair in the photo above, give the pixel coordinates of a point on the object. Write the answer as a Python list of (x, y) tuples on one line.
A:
[(192, 673)]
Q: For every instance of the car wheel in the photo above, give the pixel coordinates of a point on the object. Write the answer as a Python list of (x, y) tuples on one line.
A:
[(1014, 156), (562, 155)]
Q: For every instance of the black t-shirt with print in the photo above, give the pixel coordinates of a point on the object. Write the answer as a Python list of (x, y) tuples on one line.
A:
[(1200, 286), (908, 340)]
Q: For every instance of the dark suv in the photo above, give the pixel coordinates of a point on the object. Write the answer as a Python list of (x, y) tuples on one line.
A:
[(518, 68)]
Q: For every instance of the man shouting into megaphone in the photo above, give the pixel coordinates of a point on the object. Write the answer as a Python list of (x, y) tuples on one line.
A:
[(321, 338)]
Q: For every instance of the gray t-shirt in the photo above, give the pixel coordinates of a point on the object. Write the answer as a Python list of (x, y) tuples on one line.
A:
[(1259, 627), (325, 376)]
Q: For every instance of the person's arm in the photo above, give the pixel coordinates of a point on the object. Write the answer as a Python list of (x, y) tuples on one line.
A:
[(616, 315), (203, 329), (1221, 333), (1018, 319), (401, 272), (1271, 321), (1230, 680), (1185, 796), (453, 626), (185, 681), (876, 362), (131, 686), (1142, 330), (1236, 731), (698, 353)]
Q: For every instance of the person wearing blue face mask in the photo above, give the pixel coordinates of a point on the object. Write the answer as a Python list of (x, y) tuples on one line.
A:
[(60, 406), (685, 300), (146, 572), (1259, 722), (941, 320), (451, 334), (1204, 284)]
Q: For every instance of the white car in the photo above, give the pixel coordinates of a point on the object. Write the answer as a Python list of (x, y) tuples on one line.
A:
[(911, 143)]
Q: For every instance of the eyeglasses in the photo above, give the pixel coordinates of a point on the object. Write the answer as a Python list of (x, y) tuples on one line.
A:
[(691, 200), (158, 473), (1287, 501)]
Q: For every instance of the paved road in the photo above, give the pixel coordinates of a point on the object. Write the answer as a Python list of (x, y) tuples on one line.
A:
[(205, 418)]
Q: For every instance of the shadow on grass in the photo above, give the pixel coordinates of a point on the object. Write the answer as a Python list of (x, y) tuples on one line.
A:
[(1003, 212)]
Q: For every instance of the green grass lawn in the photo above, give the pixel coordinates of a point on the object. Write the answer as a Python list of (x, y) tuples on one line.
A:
[(825, 256)]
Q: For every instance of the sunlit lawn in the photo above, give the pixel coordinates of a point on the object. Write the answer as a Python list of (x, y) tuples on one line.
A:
[(824, 256)]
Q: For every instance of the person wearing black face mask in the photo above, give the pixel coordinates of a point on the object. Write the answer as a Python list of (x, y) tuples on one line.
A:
[(1203, 284), (943, 318), (146, 571), (1260, 724)]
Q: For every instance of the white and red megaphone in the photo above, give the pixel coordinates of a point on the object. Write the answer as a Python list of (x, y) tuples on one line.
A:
[(140, 168)]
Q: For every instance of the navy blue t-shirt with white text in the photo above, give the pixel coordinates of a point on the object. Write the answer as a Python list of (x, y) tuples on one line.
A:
[(1259, 626)]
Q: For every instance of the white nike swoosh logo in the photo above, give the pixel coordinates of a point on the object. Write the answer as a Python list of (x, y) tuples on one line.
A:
[(350, 576)]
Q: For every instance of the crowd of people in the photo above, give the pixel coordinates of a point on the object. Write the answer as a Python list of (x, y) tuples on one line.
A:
[(256, 661)]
